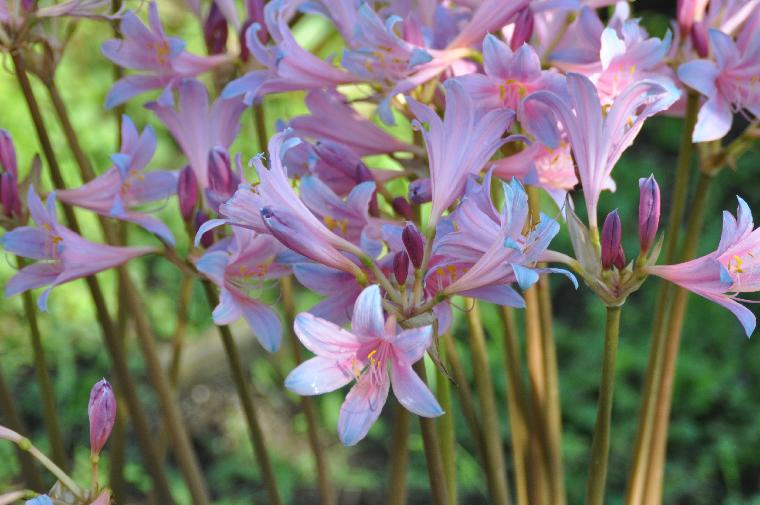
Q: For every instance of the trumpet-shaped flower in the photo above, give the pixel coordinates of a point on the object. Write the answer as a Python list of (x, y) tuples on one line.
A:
[(63, 255), (163, 59), (598, 139), (240, 266), (724, 273), (731, 83), (460, 145), (198, 128), (363, 354), (126, 185)]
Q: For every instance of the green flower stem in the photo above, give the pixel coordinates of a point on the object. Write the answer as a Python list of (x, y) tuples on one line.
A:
[(436, 474), (600, 445), (446, 428), (178, 338), (64, 479), (13, 421), (326, 490), (399, 460), (496, 472), (245, 394), (516, 406), (154, 466), (49, 409)]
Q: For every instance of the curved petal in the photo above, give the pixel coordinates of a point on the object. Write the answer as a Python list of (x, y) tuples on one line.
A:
[(318, 375), (367, 320), (361, 408), (264, 323), (324, 338), (412, 393), (714, 120), (410, 345)]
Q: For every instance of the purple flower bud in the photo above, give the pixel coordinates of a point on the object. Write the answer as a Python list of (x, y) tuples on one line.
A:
[(401, 267), (523, 29), (102, 413), (215, 30), (9, 198), (403, 207), (364, 175), (221, 179), (415, 246), (612, 235), (207, 240), (187, 192), (700, 39), (420, 191), (29, 5), (7, 153), (649, 212), (340, 158)]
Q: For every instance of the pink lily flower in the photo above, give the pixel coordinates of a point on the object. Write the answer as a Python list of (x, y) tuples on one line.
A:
[(126, 185), (289, 67), (63, 255), (724, 273), (731, 83), (365, 353), (333, 119), (240, 266), (163, 59), (598, 140), (460, 145), (510, 77), (198, 128)]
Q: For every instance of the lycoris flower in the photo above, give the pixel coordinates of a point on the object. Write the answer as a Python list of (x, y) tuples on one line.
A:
[(163, 58), (198, 128), (460, 145), (731, 83), (126, 185), (597, 139), (363, 354), (240, 265), (724, 273), (63, 255)]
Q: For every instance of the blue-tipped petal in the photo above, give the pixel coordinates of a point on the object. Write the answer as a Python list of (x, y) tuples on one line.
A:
[(525, 276)]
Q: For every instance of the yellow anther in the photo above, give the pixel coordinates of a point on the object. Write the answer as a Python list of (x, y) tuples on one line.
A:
[(372, 360), (738, 268)]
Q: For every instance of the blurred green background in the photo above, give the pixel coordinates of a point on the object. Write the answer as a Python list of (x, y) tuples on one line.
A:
[(714, 448)]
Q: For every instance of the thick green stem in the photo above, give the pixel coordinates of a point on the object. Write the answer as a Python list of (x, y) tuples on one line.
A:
[(113, 343), (516, 407), (326, 490), (637, 482), (399, 455), (436, 474), (245, 394), (600, 447), (446, 428), (13, 421), (49, 410), (496, 472), (656, 464)]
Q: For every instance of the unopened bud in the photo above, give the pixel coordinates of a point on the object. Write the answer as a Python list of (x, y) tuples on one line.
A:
[(401, 267), (364, 175), (649, 212), (187, 192), (700, 39), (9, 197), (414, 244), (420, 191), (7, 153), (29, 5), (523, 29), (221, 179), (215, 30), (403, 208), (102, 412), (207, 240), (612, 235)]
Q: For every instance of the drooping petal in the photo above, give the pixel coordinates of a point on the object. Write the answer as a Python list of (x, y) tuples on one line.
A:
[(362, 407), (412, 393)]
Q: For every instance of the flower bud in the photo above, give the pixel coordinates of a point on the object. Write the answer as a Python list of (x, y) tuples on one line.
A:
[(420, 191), (102, 413), (7, 153), (29, 5), (402, 207), (649, 212), (342, 159), (187, 192), (222, 181), (215, 30), (523, 29), (700, 39), (401, 267), (207, 240), (611, 239), (9, 197), (364, 175), (414, 244)]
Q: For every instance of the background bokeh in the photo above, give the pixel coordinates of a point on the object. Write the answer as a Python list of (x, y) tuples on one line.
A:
[(714, 449)]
